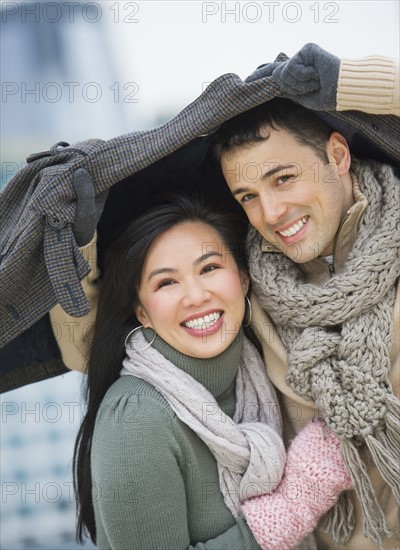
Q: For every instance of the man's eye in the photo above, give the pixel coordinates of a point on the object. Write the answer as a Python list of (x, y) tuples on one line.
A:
[(283, 179), (247, 198)]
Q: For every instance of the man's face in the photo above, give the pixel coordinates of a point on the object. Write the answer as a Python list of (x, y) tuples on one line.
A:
[(290, 195)]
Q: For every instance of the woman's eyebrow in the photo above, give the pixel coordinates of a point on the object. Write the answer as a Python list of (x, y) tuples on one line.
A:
[(160, 271), (201, 259), (204, 257)]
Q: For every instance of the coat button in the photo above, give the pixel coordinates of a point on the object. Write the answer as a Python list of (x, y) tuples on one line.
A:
[(55, 223)]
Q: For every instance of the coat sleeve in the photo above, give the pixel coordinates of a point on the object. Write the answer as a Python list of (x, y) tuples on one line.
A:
[(138, 488), (74, 334), (370, 85)]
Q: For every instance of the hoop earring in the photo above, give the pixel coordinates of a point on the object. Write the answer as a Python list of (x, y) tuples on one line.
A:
[(250, 315), (134, 330)]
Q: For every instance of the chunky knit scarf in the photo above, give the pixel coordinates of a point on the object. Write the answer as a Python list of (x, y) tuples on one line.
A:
[(338, 338), (248, 449)]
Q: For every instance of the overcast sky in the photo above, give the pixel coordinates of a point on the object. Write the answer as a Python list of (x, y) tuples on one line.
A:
[(176, 46)]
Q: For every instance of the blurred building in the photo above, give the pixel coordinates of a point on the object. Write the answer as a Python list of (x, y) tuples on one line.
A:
[(38, 429)]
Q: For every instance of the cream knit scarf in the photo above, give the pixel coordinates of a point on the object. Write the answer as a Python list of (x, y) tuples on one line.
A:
[(249, 449), (338, 338)]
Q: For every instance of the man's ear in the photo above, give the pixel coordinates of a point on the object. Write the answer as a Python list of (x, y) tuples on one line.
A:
[(338, 152), (141, 316)]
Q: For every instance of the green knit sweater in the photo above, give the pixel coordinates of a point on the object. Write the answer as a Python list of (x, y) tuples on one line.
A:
[(155, 483)]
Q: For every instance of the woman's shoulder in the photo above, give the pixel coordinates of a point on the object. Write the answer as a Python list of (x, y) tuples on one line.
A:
[(132, 400), (134, 426)]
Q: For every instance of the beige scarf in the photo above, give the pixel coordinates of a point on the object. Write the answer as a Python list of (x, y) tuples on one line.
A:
[(248, 448), (338, 339)]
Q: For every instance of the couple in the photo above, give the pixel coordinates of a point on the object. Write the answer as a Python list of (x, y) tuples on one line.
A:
[(170, 454)]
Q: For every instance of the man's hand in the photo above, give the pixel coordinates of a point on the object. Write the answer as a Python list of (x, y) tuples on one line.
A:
[(310, 77)]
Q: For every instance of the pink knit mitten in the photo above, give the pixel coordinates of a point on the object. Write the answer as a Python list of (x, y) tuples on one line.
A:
[(314, 477)]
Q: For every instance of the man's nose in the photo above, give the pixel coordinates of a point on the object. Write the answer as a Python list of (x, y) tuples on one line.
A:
[(273, 208), (195, 294)]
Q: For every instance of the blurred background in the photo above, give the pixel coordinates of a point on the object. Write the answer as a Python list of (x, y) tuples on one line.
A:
[(76, 70)]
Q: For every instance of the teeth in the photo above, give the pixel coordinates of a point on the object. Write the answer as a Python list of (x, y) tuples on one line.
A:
[(203, 322), (294, 229)]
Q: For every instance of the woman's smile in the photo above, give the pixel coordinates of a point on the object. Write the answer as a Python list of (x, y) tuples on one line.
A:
[(205, 323)]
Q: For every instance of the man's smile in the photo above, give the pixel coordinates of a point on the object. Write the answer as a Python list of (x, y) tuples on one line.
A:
[(294, 228)]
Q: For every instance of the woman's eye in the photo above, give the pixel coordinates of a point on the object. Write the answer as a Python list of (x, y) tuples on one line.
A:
[(210, 267), (166, 282)]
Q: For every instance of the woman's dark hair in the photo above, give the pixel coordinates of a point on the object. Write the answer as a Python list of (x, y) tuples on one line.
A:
[(118, 298)]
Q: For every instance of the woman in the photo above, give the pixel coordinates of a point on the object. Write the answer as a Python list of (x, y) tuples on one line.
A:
[(180, 443)]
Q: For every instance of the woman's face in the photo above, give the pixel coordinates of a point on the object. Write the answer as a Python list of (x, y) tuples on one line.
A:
[(191, 291)]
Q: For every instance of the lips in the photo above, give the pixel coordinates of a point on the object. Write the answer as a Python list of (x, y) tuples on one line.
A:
[(295, 228), (204, 324)]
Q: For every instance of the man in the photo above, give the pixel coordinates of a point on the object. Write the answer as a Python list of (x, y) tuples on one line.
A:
[(324, 263)]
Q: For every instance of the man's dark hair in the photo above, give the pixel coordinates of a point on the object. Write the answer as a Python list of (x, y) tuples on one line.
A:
[(247, 128)]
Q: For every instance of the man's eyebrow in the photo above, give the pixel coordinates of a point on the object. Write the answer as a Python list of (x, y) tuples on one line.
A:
[(266, 176), (198, 261), (239, 191), (277, 168)]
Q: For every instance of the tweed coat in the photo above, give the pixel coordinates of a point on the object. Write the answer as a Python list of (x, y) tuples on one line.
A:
[(41, 262)]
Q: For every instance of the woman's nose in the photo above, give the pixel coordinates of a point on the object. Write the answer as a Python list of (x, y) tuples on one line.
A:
[(195, 294)]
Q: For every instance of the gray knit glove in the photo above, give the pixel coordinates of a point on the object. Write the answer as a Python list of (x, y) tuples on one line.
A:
[(310, 77), (88, 207)]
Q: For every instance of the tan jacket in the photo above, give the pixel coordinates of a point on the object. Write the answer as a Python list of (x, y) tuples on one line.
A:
[(74, 334), (296, 411), (370, 85)]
